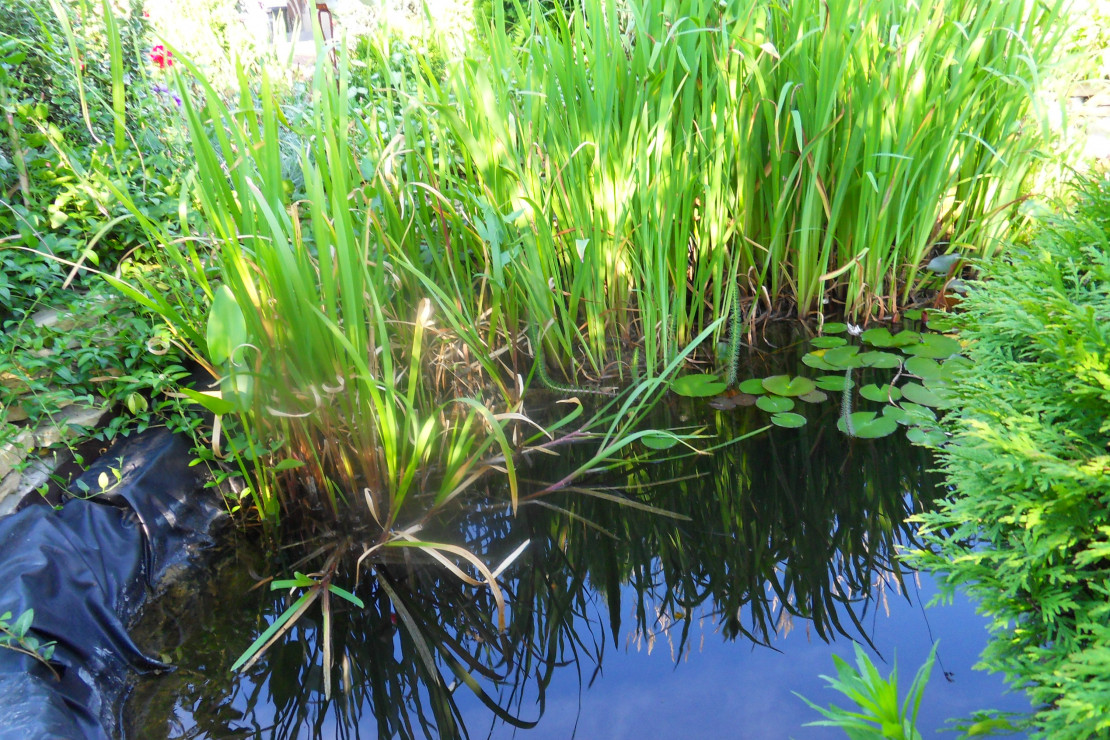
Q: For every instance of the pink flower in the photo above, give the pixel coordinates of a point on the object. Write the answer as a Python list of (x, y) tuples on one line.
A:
[(161, 57)]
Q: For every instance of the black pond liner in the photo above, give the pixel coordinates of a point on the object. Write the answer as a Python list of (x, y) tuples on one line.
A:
[(87, 569)]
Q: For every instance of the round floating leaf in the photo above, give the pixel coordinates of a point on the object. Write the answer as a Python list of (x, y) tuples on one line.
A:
[(918, 414), (834, 327), (866, 425), (880, 394), (955, 365), (896, 413), (697, 386), (774, 404), (940, 320), (827, 342), (788, 420), (752, 386), (880, 336), (904, 338), (843, 357), (834, 383), (924, 368), (816, 361), (659, 440), (885, 360), (937, 346), (727, 403), (814, 397), (930, 436), (784, 385), (913, 314)]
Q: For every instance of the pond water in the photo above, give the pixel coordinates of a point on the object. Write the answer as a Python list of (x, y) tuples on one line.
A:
[(726, 585)]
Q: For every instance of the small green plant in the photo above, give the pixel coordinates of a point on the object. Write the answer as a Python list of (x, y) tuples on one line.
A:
[(17, 636), (877, 712)]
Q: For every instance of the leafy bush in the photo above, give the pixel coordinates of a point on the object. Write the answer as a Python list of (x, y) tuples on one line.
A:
[(1027, 531)]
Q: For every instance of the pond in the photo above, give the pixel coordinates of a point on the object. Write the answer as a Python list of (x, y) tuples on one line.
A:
[(717, 586)]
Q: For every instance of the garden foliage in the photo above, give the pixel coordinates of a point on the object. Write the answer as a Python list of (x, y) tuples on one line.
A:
[(1027, 531)]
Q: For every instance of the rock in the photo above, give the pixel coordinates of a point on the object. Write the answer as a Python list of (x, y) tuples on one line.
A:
[(54, 431), (15, 451)]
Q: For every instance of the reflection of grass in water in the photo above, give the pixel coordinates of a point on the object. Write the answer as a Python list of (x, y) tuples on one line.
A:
[(790, 525)]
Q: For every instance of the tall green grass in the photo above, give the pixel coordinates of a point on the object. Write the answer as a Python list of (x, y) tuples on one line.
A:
[(668, 162)]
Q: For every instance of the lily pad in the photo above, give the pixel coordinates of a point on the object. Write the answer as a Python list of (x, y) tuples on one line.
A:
[(816, 361), (880, 336), (827, 342), (834, 383), (784, 385), (940, 320), (924, 368), (698, 386), (814, 396), (774, 404), (843, 357), (930, 436), (867, 425), (834, 327), (936, 346), (659, 440), (788, 420), (913, 314), (920, 395), (897, 413), (880, 394), (752, 386), (885, 360), (918, 414), (727, 403), (904, 338)]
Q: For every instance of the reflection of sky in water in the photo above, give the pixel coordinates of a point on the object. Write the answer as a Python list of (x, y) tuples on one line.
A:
[(740, 690)]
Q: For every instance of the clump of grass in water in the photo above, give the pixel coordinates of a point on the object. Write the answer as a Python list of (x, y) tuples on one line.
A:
[(885, 126)]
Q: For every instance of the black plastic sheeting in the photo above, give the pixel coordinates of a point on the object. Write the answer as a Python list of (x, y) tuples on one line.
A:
[(86, 569)]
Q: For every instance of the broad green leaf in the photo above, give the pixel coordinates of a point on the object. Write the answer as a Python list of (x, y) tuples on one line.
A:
[(698, 386), (881, 394), (921, 395), (834, 383), (784, 385), (827, 342), (903, 338), (843, 357), (227, 329), (774, 404), (937, 346), (882, 360), (931, 436), (816, 361), (834, 327), (659, 440), (866, 425), (788, 420), (880, 336), (924, 367), (752, 386)]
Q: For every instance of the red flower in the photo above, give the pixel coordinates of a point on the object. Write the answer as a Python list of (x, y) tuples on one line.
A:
[(161, 57)]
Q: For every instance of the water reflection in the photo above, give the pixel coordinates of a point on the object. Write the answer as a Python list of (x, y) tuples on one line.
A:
[(785, 529)]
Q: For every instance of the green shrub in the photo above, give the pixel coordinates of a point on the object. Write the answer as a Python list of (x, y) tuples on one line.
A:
[(1027, 531)]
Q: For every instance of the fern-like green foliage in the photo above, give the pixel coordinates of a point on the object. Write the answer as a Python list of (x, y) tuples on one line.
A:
[(1027, 530)]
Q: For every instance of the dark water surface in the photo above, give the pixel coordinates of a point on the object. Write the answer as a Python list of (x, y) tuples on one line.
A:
[(623, 622)]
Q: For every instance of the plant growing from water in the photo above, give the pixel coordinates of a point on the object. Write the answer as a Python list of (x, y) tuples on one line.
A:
[(877, 712)]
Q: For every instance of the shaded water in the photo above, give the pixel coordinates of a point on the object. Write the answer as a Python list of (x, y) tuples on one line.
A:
[(623, 622)]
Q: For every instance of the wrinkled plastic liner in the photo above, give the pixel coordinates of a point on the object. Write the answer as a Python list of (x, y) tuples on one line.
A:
[(86, 569)]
